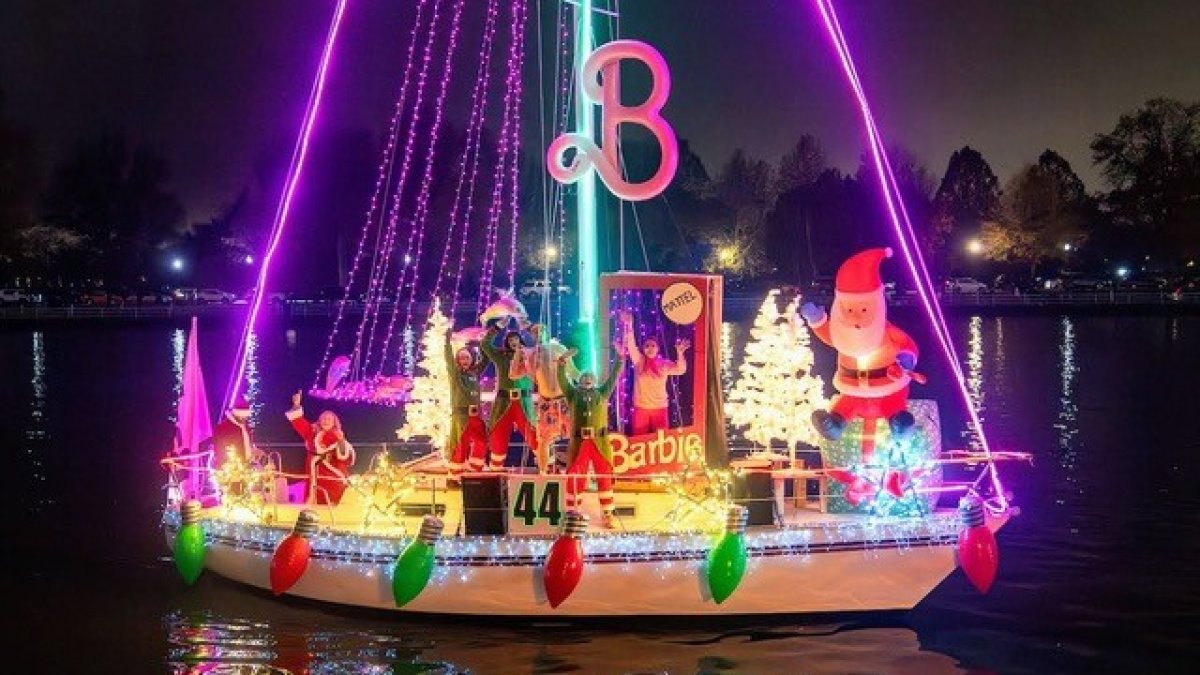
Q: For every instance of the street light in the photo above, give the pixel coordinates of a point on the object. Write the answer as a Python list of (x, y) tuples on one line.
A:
[(726, 255), (551, 252), (177, 264), (975, 247), (1067, 247), (249, 259), (1122, 272)]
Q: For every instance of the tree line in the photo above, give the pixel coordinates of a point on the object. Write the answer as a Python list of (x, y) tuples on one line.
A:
[(108, 211)]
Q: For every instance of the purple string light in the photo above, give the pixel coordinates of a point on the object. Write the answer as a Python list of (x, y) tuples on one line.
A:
[(382, 181), (470, 158), (379, 280), (498, 175), (285, 204), (515, 145), (919, 272), (421, 216)]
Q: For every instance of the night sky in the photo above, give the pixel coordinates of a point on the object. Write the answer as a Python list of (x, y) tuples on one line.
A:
[(211, 84)]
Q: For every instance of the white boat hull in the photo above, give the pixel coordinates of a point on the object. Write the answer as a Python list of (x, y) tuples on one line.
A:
[(883, 572)]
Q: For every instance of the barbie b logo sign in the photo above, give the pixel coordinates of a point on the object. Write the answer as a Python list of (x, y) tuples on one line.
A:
[(602, 86)]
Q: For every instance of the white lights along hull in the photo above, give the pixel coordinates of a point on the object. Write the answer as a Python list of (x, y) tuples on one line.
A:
[(832, 567)]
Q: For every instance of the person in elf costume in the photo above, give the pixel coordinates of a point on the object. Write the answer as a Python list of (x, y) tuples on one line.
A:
[(875, 358), (468, 441), (330, 455), (513, 407), (540, 362), (650, 373), (589, 450), (233, 437)]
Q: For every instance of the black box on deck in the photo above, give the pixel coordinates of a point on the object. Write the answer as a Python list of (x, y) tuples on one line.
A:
[(483, 503), (755, 491)]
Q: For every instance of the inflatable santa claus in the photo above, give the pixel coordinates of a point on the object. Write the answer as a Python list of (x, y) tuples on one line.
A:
[(875, 358)]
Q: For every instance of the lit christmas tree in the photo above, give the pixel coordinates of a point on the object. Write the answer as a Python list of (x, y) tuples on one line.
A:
[(427, 412), (777, 392)]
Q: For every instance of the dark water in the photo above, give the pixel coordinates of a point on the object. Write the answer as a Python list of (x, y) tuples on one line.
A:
[(1100, 572)]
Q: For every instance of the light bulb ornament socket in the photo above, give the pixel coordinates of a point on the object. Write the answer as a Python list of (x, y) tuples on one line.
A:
[(414, 566), (290, 560), (726, 563), (563, 569), (190, 542)]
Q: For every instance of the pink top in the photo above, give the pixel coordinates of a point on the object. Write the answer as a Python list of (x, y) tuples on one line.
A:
[(650, 377)]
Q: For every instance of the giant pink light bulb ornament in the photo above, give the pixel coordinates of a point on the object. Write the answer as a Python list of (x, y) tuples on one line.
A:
[(601, 83)]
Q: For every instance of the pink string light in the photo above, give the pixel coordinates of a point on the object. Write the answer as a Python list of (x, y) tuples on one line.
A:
[(295, 170), (915, 261), (496, 206), (468, 168), (421, 216), (515, 144), (378, 281), (382, 180)]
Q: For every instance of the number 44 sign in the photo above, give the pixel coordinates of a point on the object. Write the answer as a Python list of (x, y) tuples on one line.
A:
[(535, 504)]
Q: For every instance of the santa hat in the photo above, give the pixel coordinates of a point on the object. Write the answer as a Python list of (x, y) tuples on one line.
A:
[(860, 272), (240, 406)]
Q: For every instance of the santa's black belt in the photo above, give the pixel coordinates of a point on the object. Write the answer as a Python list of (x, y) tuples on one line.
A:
[(517, 394), (862, 374), (591, 432), (470, 410)]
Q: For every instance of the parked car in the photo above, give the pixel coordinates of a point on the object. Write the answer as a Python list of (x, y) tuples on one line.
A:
[(19, 297), (98, 297), (965, 285), (1085, 284), (538, 287), (206, 296), (1142, 283), (146, 296)]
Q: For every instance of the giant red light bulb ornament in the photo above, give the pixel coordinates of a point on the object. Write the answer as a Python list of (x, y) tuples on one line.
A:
[(564, 563), (291, 555), (978, 554)]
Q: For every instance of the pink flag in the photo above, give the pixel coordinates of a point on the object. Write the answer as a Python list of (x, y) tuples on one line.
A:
[(193, 424)]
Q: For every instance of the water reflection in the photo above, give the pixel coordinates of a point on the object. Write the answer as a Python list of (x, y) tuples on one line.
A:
[(37, 431), (178, 355), (975, 378), (253, 380), (1068, 409), (206, 642)]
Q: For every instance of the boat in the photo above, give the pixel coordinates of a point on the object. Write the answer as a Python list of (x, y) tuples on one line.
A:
[(873, 518)]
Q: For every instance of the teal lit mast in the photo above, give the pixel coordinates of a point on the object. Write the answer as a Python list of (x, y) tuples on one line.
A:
[(585, 195)]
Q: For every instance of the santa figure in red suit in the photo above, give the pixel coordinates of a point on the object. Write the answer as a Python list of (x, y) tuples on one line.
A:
[(875, 358), (330, 456), (233, 436)]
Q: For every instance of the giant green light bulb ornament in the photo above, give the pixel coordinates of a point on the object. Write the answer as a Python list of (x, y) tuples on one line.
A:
[(189, 543), (415, 565), (727, 560)]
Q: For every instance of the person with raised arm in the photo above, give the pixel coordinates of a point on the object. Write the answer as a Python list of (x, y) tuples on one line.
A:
[(540, 362), (513, 407), (330, 455), (468, 441), (650, 373), (589, 450)]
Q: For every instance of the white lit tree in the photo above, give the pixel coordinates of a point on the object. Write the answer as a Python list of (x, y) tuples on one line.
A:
[(427, 412), (776, 391)]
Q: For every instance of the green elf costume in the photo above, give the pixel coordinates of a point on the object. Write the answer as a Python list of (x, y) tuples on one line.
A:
[(513, 407), (589, 450), (467, 445)]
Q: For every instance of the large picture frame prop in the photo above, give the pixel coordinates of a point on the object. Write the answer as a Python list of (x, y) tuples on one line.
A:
[(668, 308)]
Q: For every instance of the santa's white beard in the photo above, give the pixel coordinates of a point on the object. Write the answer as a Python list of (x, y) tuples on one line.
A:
[(857, 342)]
